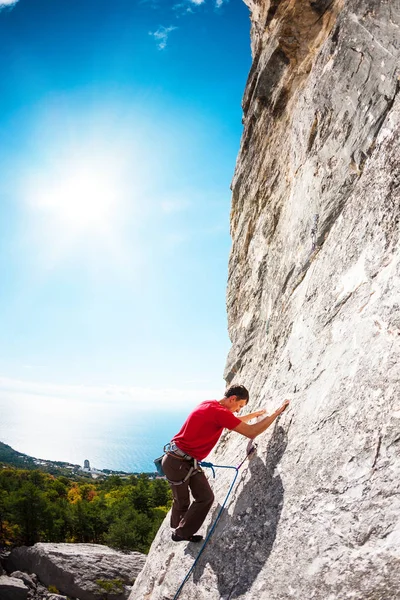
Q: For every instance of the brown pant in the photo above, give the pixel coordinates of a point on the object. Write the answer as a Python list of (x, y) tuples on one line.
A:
[(187, 518)]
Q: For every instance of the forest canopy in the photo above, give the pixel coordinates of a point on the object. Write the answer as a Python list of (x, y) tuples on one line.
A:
[(121, 512)]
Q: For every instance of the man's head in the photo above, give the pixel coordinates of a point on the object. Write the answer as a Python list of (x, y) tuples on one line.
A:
[(236, 397)]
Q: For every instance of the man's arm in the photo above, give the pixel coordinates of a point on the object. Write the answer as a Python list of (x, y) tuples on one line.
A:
[(252, 431), (253, 415)]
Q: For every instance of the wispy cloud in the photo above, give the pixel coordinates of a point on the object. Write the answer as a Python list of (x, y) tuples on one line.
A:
[(182, 8), (161, 36), (188, 6), (4, 3), (85, 397), (117, 427)]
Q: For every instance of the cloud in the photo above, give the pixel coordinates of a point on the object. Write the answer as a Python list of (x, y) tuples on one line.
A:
[(161, 36), (191, 6), (183, 8), (118, 427), (61, 398)]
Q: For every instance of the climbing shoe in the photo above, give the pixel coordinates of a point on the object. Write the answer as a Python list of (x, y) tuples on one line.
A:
[(193, 538)]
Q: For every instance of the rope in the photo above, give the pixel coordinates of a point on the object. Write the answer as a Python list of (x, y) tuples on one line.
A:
[(212, 466)]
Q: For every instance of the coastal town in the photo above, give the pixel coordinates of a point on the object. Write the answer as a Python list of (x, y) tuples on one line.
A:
[(10, 456)]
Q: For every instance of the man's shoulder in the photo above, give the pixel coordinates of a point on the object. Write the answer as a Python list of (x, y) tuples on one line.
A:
[(215, 408), (207, 403), (210, 405)]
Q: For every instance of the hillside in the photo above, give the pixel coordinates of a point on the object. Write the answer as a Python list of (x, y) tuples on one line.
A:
[(13, 458)]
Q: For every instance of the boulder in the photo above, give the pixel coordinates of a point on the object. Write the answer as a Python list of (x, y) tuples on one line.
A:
[(27, 579), (84, 571), (3, 556), (12, 588), (41, 591)]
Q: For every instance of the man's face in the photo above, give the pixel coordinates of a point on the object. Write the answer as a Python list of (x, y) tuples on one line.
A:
[(237, 404)]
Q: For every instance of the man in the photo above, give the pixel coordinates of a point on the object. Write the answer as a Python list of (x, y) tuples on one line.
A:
[(198, 436)]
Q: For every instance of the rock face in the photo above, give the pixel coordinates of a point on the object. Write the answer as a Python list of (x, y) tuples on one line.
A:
[(314, 316), (12, 588), (84, 571), (27, 579)]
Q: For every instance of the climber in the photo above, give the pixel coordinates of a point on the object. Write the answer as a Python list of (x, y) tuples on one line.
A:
[(197, 437)]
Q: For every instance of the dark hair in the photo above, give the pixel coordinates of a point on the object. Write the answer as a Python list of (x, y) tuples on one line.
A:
[(239, 391)]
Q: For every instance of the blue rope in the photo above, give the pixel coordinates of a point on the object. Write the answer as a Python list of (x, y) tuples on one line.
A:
[(211, 466)]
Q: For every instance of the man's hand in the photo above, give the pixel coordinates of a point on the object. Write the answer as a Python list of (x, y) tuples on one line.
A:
[(283, 407), (259, 413), (251, 431), (253, 415)]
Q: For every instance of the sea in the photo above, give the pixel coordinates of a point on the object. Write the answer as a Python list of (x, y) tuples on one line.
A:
[(126, 437)]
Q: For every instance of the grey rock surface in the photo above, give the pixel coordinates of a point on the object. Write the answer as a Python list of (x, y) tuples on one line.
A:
[(77, 570), (12, 588), (314, 316), (27, 579), (41, 592)]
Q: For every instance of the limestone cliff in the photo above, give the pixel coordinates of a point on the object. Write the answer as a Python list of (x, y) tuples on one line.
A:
[(314, 315)]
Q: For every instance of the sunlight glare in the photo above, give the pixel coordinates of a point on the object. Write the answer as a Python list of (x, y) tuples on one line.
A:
[(78, 203), (83, 201)]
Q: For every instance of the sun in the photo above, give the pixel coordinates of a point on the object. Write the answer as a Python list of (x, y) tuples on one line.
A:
[(78, 205), (83, 200)]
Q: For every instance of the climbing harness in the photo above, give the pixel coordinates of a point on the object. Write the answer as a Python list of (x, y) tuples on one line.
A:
[(172, 449), (250, 450)]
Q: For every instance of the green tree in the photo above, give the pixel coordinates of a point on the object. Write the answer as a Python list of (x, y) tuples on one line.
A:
[(79, 522), (36, 506), (38, 479), (133, 531), (4, 515), (160, 494), (60, 486), (98, 519), (56, 519), (112, 482), (29, 508), (140, 496)]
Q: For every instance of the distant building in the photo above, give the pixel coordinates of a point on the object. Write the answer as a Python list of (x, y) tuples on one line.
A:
[(86, 465)]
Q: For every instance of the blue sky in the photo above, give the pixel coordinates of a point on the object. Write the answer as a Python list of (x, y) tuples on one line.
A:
[(120, 123)]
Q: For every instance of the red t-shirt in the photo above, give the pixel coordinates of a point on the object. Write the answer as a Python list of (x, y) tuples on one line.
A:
[(203, 427)]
